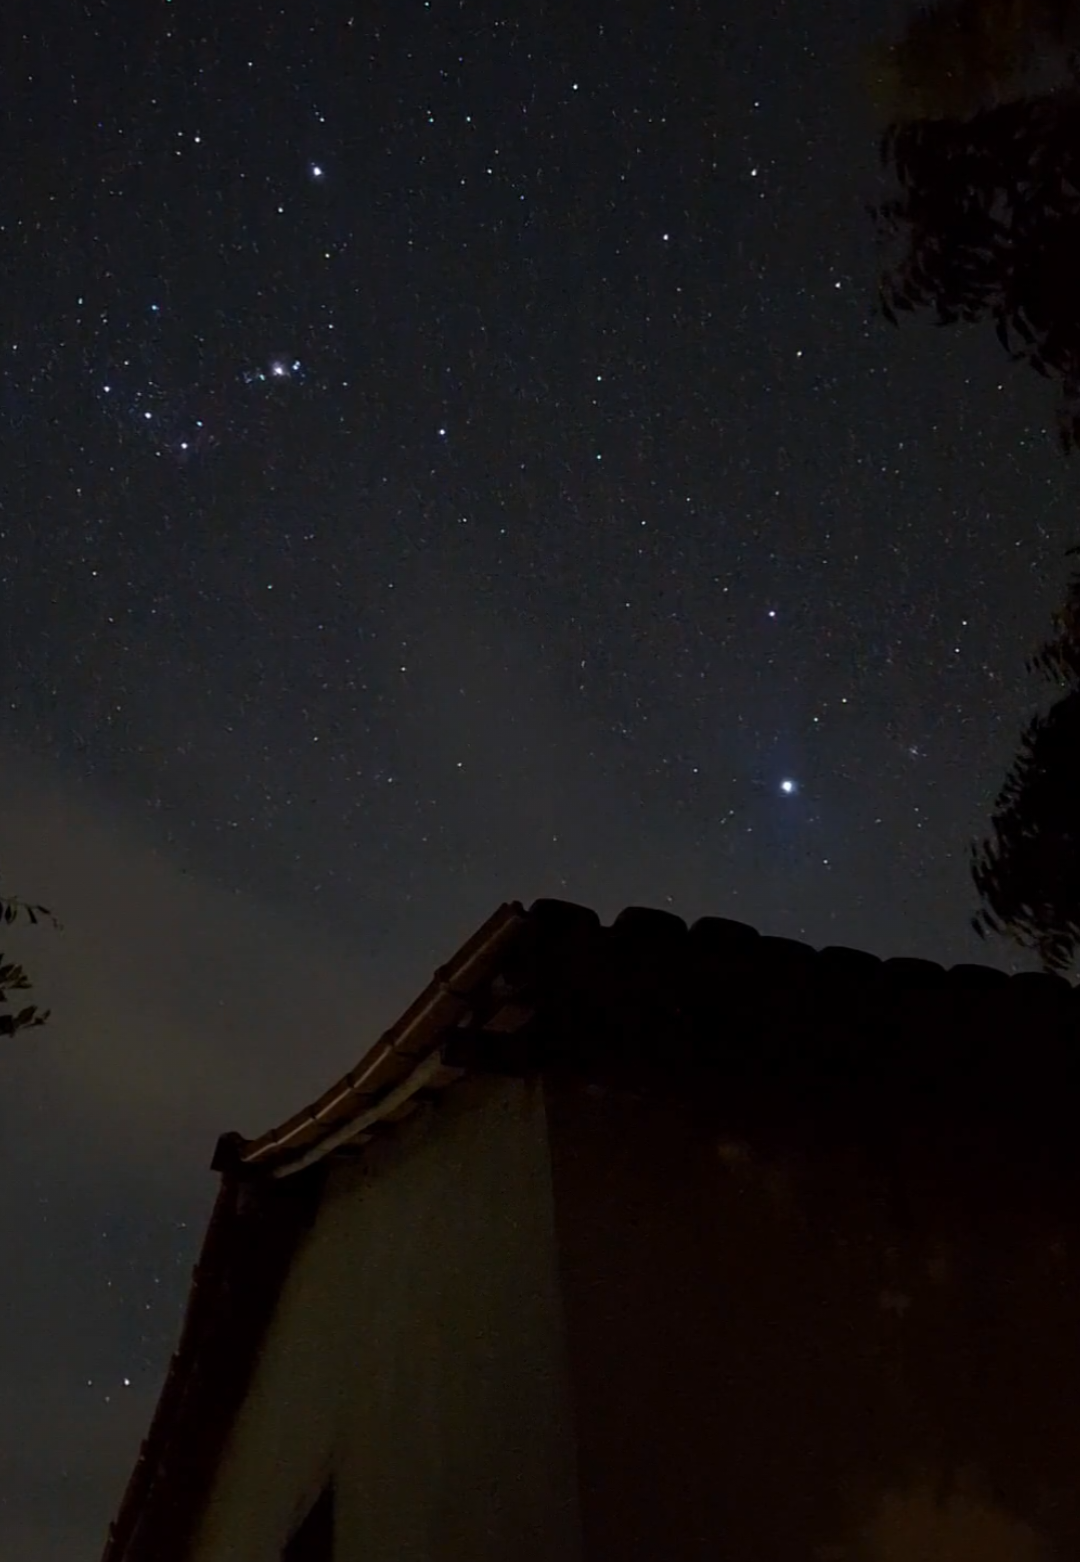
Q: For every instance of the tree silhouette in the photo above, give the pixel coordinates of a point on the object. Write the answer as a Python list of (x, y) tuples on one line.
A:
[(987, 222), (13, 977), (959, 57), (1028, 872), (986, 227)]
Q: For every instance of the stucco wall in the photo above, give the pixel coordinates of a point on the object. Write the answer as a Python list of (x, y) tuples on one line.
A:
[(417, 1356), (846, 1341)]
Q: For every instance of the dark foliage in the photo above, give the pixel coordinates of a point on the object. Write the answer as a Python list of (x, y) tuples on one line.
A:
[(987, 224), (1028, 873), (986, 227), (13, 977), (1059, 659)]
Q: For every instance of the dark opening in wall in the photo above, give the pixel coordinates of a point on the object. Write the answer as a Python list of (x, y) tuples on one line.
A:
[(313, 1541)]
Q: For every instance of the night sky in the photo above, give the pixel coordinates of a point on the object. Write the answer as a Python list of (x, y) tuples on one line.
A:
[(450, 454)]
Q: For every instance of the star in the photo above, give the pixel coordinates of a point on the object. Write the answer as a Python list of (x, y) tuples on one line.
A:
[(789, 787)]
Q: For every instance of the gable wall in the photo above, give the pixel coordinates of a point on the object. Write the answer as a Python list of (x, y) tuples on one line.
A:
[(416, 1356)]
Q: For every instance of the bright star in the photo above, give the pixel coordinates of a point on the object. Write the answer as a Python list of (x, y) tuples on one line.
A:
[(789, 788)]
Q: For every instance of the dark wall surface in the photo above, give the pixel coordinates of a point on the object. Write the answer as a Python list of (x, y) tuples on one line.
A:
[(809, 1325)]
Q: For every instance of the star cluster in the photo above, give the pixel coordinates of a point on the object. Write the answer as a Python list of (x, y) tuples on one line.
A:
[(320, 327), (485, 311)]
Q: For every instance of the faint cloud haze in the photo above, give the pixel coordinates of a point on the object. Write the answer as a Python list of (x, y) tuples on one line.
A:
[(179, 1011)]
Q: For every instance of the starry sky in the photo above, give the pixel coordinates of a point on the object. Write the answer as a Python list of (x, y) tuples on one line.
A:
[(450, 455)]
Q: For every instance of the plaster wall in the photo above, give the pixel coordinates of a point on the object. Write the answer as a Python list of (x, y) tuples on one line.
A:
[(801, 1344), (416, 1356)]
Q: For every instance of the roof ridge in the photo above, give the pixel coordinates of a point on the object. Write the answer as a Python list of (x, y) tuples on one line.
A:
[(397, 1067)]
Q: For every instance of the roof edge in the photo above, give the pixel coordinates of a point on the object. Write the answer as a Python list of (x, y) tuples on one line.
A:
[(249, 1244), (369, 1091)]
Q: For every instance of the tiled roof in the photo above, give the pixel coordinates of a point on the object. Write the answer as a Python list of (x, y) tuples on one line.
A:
[(340, 1114), (551, 987)]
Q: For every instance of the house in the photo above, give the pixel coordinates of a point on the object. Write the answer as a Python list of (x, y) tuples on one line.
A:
[(646, 1242)]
